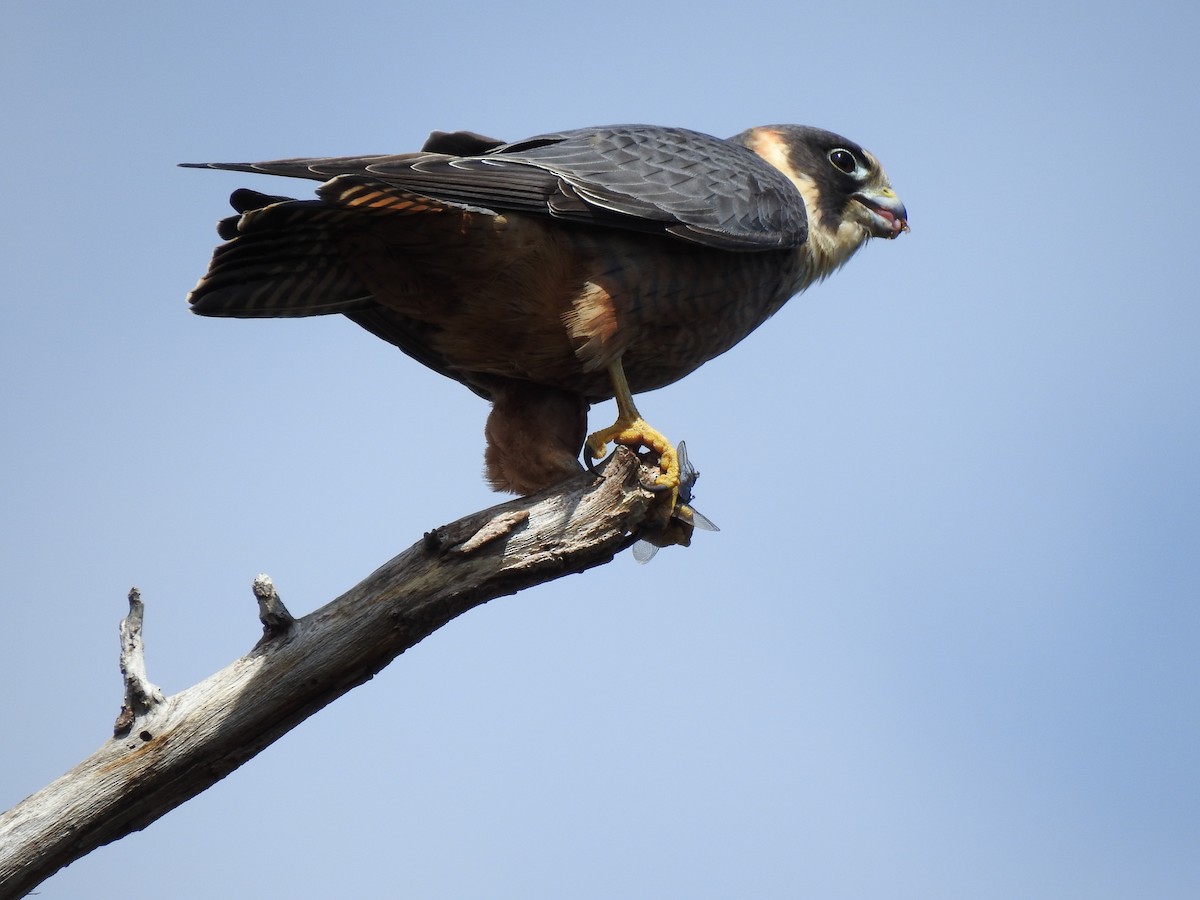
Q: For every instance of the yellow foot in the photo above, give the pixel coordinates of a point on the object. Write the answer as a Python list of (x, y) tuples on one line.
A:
[(637, 433), (631, 430)]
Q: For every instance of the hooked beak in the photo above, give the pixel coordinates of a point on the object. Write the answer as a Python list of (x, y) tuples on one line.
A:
[(883, 215)]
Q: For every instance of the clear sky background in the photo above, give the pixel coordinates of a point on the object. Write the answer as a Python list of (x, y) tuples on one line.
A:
[(946, 643)]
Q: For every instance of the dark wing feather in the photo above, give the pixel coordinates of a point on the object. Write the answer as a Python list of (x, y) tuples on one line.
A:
[(317, 168), (640, 177), (671, 174), (459, 143)]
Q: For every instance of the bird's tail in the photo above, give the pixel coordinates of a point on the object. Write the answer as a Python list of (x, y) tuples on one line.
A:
[(281, 259)]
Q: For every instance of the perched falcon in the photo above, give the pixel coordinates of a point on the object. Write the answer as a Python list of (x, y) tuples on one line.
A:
[(558, 271)]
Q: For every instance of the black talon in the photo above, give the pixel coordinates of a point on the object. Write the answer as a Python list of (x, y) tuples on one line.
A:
[(653, 487), (589, 461)]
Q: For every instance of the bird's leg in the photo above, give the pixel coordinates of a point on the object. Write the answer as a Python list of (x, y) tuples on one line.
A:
[(632, 430)]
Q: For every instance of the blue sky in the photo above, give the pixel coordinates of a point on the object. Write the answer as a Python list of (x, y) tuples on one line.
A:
[(945, 644)]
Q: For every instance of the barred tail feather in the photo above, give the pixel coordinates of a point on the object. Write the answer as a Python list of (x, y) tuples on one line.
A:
[(281, 259)]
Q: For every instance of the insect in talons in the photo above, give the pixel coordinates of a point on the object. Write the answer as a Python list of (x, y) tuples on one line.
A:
[(685, 518)]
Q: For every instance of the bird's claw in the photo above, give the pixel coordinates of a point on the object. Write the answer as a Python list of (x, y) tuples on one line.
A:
[(637, 434), (593, 464), (591, 460), (656, 487)]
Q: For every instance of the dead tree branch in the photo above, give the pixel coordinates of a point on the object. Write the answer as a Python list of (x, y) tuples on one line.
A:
[(166, 750)]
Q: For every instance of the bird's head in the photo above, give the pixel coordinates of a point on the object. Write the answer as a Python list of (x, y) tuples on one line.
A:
[(847, 195)]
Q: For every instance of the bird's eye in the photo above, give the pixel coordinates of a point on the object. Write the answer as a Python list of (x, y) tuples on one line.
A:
[(844, 160)]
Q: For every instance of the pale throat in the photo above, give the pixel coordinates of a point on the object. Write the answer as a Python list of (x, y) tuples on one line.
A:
[(828, 248)]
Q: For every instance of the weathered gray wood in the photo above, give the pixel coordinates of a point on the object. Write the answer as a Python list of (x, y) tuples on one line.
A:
[(168, 749)]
